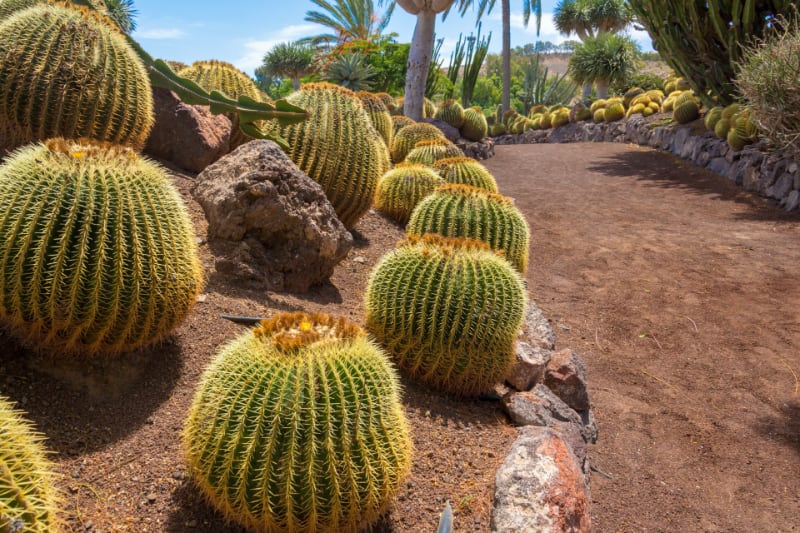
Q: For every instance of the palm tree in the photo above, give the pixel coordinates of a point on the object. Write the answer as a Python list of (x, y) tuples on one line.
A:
[(289, 60), (602, 60), (347, 20)]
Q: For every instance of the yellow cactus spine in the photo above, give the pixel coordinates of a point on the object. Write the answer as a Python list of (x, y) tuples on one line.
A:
[(429, 151), (466, 171), (407, 138), (402, 188), (378, 114)]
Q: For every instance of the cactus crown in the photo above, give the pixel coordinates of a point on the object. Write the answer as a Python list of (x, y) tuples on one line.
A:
[(446, 246), (469, 191), (293, 331), (432, 142)]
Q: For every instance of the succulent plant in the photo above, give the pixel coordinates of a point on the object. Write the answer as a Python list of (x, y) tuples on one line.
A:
[(388, 100), (614, 112), (451, 112), (29, 500), (599, 115), (729, 111), (632, 93), (399, 102), (742, 131), (560, 119), (473, 213), (398, 122), (337, 147), (407, 138), (448, 311), (685, 112), (466, 171), (428, 109), (712, 117), (722, 127), (63, 72), (475, 126), (297, 426), (498, 129), (598, 104), (97, 248), (378, 114), (402, 188), (429, 151)]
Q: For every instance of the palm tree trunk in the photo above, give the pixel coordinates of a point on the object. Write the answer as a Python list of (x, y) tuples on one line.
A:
[(602, 88), (419, 59), (587, 91), (506, 55), (296, 83)]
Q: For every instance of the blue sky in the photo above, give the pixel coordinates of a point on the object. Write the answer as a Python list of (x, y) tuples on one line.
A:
[(241, 31)]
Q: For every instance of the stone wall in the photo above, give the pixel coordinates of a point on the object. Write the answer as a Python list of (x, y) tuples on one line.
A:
[(771, 175)]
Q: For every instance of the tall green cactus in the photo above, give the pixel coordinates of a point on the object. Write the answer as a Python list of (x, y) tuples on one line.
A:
[(29, 500), (702, 41), (297, 426), (402, 188), (429, 151), (473, 213), (466, 171), (407, 138), (97, 251), (378, 114), (63, 72), (448, 311), (337, 147)]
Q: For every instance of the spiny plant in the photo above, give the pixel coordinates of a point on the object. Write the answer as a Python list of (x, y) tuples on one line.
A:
[(29, 500), (712, 117), (297, 426), (398, 122), (466, 171), (475, 126), (614, 112), (337, 147), (428, 108), (97, 250), (378, 115), (560, 118), (351, 71), (388, 100), (450, 111), (686, 111), (402, 188), (473, 213), (429, 151), (448, 311), (407, 138), (497, 130), (64, 72)]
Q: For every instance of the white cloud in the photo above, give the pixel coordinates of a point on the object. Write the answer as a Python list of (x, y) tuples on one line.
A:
[(256, 49), (159, 33)]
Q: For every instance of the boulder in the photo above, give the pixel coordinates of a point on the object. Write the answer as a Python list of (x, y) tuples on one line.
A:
[(540, 487), (566, 377), (452, 134), (540, 407), (529, 368), (536, 329), (268, 221), (188, 136)]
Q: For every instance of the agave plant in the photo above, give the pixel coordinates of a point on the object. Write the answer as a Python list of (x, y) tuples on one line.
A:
[(350, 71), (539, 89), (603, 59)]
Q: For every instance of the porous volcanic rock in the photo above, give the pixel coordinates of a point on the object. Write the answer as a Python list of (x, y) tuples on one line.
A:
[(268, 221)]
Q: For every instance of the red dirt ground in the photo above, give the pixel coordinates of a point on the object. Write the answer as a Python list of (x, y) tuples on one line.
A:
[(680, 291)]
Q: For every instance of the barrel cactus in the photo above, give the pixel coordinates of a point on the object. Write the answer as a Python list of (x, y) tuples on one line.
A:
[(402, 188), (475, 126), (297, 426), (466, 171), (429, 151), (722, 127), (560, 119), (337, 147), (29, 500), (65, 73), (497, 130), (614, 112), (448, 311), (428, 108), (378, 114), (599, 115), (712, 117), (472, 213), (97, 248), (388, 100), (685, 112), (450, 111), (399, 122), (407, 138)]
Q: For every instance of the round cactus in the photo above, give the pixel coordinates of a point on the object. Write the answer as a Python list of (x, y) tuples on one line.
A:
[(9, 7), (65, 73), (407, 138), (614, 112), (560, 119), (399, 122), (466, 171), (402, 188), (599, 115), (378, 115), (29, 500), (451, 112), (685, 112), (722, 127), (475, 126), (448, 310), (337, 147), (428, 108), (712, 117), (472, 213), (97, 248), (498, 129), (632, 93), (297, 426), (430, 151), (728, 112)]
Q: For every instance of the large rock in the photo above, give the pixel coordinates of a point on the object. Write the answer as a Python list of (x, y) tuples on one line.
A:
[(186, 135), (566, 377), (268, 221), (540, 407), (540, 487), (536, 329), (452, 134), (529, 367)]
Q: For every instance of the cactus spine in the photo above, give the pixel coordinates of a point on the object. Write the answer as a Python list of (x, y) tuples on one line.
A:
[(97, 250), (65, 73), (337, 147), (402, 188), (451, 112), (407, 138), (685, 112), (429, 151), (472, 213), (399, 122), (28, 497), (378, 115), (466, 171), (297, 426), (475, 126), (448, 310)]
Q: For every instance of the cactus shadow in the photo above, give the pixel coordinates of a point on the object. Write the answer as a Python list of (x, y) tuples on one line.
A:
[(83, 406), (784, 426)]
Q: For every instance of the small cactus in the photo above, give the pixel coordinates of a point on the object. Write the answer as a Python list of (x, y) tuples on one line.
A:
[(402, 188), (428, 108), (712, 117), (407, 138), (685, 112), (632, 93), (429, 151), (451, 112), (722, 127), (466, 171), (378, 115), (98, 249), (498, 129), (448, 311), (614, 112), (475, 126), (472, 213), (561, 118), (399, 122), (297, 426)]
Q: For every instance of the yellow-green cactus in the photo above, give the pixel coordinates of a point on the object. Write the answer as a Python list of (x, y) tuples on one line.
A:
[(448, 310), (65, 73), (498, 129), (685, 112), (378, 114), (712, 117), (466, 171), (337, 147), (428, 108), (29, 500), (97, 250), (399, 122), (407, 138), (297, 426), (475, 126), (451, 112), (430, 151), (614, 112), (722, 127), (560, 119), (402, 188)]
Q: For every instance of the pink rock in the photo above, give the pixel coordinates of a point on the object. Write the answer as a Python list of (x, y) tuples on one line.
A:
[(566, 377), (529, 368)]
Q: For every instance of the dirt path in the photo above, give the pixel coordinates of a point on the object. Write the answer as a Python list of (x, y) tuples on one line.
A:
[(683, 295)]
